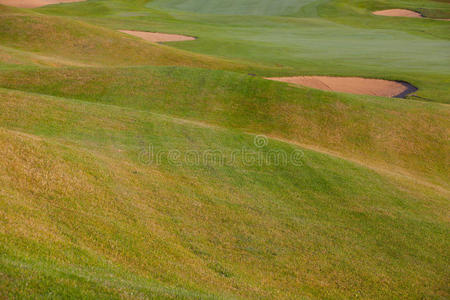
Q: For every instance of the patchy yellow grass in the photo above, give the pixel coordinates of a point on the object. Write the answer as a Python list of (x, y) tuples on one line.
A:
[(393, 134), (82, 217), (216, 229)]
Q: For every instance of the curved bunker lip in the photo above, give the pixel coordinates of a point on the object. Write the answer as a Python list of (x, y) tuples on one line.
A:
[(34, 3), (353, 85), (400, 12), (157, 37), (409, 89)]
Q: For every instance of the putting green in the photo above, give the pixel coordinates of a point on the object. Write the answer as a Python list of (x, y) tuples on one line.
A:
[(319, 38), (234, 7)]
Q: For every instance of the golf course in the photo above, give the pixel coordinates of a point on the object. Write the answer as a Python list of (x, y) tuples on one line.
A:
[(224, 149)]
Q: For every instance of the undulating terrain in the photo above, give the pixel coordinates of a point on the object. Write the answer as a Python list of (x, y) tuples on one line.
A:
[(131, 169)]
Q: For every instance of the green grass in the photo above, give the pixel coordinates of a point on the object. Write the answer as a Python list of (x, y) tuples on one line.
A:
[(362, 214), (78, 43), (234, 7), (351, 126), (338, 38), (89, 201)]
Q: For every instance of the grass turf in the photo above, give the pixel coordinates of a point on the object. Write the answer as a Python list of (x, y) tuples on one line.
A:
[(83, 216), (95, 210), (351, 126), (339, 38)]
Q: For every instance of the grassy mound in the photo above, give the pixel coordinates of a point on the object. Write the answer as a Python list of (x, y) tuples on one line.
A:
[(133, 170), (85, 44), (389, 133), (110, 224), (335, 38)]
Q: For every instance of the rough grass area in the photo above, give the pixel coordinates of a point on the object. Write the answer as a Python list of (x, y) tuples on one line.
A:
[(391, 133), (125, 169), (92, 208)]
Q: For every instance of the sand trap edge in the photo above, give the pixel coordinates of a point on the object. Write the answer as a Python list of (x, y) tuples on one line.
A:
[(353, 85), (35, 3), (158, 37), (409, 89), (398, 12), (412, 14)]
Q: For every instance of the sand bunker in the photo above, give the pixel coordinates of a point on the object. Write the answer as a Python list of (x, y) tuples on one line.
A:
[(398, 13), (352, 85), (402, 13), (34, 3), (156, 37)]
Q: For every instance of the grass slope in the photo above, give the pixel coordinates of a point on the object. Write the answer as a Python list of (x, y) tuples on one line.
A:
[(94, 210), (339, 38), (389, 133), (83, 44), (83, 214)]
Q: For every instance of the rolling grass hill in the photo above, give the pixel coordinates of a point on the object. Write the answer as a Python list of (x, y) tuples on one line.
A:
[(94, 211), (125, 170), (79, 43), (351, 126), (337, 38)]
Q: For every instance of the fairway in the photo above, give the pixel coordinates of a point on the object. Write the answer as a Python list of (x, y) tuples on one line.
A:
[(234, 149), (234, 7)]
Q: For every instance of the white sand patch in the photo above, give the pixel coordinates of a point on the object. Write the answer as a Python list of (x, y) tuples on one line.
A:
[(156, 37), (34, 3)]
